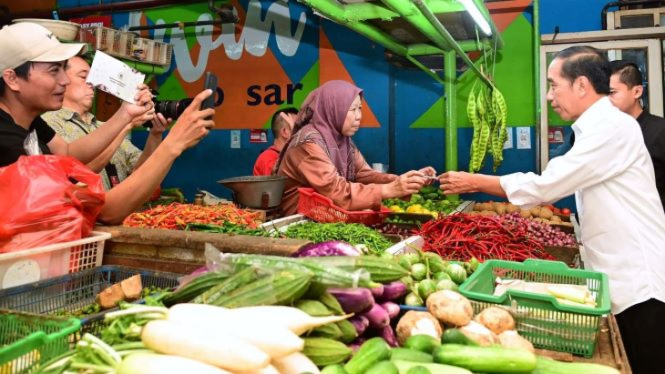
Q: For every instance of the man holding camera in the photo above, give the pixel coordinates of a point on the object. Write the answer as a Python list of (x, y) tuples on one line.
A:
[(74, 121), (33, 81)]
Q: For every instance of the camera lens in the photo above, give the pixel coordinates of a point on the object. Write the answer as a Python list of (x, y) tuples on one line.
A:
[(172, 108)]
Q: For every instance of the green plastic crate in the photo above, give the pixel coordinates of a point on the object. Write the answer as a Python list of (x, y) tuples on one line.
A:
[(27, 340), (541, 318)]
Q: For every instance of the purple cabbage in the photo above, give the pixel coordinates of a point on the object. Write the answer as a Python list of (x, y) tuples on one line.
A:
[(329, 248)]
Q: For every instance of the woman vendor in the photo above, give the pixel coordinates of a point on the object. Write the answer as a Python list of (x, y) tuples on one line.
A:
[(320, 154)]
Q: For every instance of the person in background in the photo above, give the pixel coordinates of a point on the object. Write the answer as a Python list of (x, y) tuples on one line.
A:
[(320, 154), (33, 81), (625, 93), (610, 171), (74, 121), (281, 125)]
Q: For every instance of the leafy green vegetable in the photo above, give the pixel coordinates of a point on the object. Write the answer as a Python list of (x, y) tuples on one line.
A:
[(352, 233)]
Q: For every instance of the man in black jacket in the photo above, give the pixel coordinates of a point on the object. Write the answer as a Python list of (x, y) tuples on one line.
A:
[(625, 93)]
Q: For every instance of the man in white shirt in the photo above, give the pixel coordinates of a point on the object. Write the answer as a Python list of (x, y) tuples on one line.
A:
[(612, 176)]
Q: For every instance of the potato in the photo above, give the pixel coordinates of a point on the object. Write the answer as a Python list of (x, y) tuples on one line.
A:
[(525, 213), (417, 323), (510, 208), (450, 307), (500, 209), (535, 211), (478, 207), (496, 319), (511, 339), (479, 334), (546, 213), (555, 219)]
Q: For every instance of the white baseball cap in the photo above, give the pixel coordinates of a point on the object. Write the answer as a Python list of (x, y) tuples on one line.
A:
[(24, 41)]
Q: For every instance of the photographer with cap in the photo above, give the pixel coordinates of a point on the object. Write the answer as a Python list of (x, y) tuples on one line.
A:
[(33, 81), (74, 121)]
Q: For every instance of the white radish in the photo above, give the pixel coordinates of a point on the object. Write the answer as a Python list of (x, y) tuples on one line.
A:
[(225, 351), (275, 340), (294, 319), (266, 370), (152, 363), (296, 363)]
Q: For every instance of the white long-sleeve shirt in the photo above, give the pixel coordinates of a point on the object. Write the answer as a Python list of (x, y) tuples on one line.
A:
[(621, 217)]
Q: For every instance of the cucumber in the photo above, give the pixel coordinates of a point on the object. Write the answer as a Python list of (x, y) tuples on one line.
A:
[(383, 367), (325, 352), (486, 359), (406, 354), (333, 369), (422, 343), (419, 370), (455, 336), (405, 366), (548, 366), (372, 351)]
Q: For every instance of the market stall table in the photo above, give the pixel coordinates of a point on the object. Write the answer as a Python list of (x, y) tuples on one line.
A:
[(182, 251)]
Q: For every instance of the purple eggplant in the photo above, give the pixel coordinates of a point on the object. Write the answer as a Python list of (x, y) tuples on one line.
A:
[(391, 308), (377, 292), (388, 335), (378, 317), (329, 248), (360, 323), (393, 291), (353, 300)]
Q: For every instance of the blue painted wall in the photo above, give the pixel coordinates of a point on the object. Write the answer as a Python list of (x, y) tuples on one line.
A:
[(414, 92)]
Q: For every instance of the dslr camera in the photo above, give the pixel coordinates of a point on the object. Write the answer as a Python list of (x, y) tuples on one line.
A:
[(174, 108)]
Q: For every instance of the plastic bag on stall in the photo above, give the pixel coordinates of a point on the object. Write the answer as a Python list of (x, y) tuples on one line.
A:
[(47, 199)]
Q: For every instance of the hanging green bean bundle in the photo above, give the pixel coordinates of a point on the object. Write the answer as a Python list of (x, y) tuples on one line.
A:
[(488, 114)]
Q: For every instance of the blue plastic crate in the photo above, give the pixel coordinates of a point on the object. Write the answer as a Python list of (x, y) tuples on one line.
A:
[(69, 293)]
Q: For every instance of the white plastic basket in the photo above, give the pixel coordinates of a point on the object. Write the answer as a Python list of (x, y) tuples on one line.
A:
[(32, 265)]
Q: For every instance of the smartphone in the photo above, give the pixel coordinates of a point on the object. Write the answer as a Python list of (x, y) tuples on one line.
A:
[(210, 83)]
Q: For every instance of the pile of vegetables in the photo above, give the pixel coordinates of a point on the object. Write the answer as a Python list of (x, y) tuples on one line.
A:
[(544, 233), (463, 237), (430, 200), (545, 214), (430, 273), (397, 228), (177, 216), (352, 233)]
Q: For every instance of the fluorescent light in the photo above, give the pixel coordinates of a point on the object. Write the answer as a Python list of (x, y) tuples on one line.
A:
[(474, 12)]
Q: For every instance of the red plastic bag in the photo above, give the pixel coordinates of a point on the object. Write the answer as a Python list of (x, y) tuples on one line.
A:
[(40, 204)]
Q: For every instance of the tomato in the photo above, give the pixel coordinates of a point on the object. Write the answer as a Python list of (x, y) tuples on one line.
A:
[(565, 211)]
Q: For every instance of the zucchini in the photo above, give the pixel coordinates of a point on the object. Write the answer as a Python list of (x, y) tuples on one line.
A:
[(548, 366), (383, 367), (406, 354), (456, 336), (486, 359), (313, 307), (324, 352), (405, 366), (281, 288), (196, 287), (381, 270), (372, 351), (324, 274), (422, 343), (238, 279), (349, 332)]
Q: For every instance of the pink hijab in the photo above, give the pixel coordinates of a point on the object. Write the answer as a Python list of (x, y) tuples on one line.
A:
[(320, 121)]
